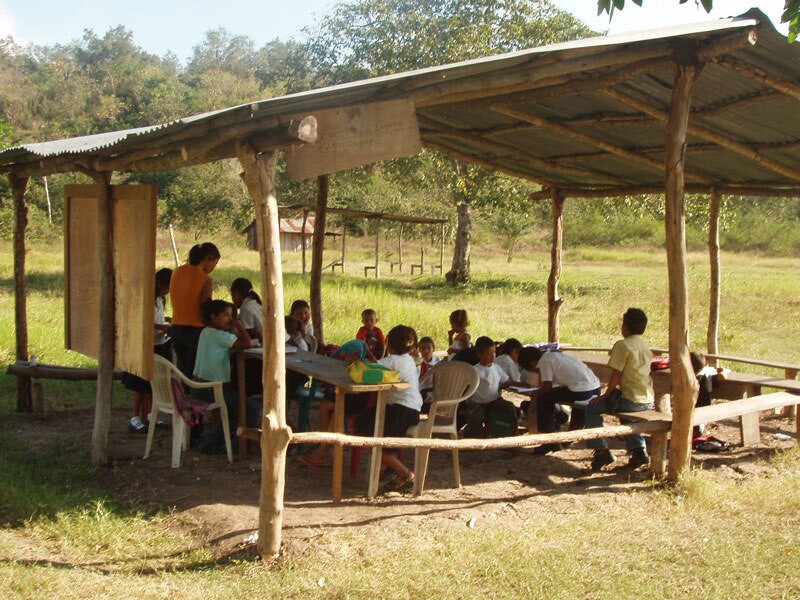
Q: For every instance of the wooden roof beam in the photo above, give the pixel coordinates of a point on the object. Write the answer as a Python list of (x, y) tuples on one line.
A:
[(707, 134), (514, 151), (590, 140), (785, 87), (743, 189), (485, 163)]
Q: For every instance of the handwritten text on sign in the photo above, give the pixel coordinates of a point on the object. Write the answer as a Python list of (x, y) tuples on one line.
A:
[(357, 135)]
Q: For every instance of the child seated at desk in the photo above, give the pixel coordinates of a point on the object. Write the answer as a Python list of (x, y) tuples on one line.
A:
[(294, 338), (487, 412)]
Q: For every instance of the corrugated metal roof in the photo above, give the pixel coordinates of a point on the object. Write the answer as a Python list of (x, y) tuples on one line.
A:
[(557, 86), (295, 225)]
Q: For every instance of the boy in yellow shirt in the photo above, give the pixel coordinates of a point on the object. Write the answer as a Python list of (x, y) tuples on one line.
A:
[(629, 389)]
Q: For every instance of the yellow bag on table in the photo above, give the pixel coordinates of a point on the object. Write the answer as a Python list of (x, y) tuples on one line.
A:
[(365, 371)]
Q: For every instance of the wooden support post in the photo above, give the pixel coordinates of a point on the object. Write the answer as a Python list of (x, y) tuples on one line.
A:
[(684, 383), (712, 337), (344, 243), (303, 238), (18, 187), (441, 252), (316, 258), (259, 176), (791, 412), (658, 447), (553, 301), (378, 251), (106, 345)]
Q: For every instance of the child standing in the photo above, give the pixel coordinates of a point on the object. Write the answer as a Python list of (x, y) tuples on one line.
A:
[(141, 402), (248, 303), (372, 337), (458, 338), (402, 406), (486, 405), (629, 389)]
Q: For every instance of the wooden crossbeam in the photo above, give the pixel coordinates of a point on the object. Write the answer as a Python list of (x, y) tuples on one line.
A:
[(707, 134), (789, 88), (485, 163), (514, 151), (590, 140), (639, 190)]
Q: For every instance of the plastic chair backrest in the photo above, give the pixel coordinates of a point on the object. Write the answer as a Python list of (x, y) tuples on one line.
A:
[(451, 381), (161, 383), (353, 347)]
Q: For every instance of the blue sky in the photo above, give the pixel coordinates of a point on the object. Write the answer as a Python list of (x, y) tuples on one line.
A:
[(177, 25)]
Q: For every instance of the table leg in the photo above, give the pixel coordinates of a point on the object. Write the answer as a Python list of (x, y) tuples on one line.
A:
[(338, 450), (377, 452), (240, 385)]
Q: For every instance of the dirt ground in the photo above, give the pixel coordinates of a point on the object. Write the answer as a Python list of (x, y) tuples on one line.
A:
[(221, 500)]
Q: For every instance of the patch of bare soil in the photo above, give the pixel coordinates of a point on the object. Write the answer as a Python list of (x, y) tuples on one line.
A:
[(219, 501)]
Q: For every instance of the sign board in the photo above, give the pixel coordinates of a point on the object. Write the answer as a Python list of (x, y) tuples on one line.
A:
[(353, 136), (134, 274)]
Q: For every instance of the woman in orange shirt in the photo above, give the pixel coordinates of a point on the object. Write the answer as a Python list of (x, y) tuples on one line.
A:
[(189, 288)]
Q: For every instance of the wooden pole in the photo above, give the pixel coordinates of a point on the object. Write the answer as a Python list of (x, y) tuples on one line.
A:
[(47, 197), (316, 258), (259, 176), (553, 301), (174, 246), (18, 187), (400, 249), (684, 383), (441, 252), (378, 250), (344, 243), (106, 344), (712, 337), (303, 238)]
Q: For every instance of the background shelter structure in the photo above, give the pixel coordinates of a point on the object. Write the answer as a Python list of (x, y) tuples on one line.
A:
[(702, 107), (348, 214)]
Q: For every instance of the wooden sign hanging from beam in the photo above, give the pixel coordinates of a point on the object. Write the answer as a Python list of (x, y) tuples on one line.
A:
[(357, 135)]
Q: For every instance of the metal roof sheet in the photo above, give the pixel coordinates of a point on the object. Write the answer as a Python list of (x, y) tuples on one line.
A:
[(454, 105)]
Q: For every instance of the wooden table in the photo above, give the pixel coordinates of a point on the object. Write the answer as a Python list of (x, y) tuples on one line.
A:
[(324, 369), (735, 386)]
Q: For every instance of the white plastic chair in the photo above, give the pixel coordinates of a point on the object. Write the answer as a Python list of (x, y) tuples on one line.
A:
[(453, 382), (161, 384)]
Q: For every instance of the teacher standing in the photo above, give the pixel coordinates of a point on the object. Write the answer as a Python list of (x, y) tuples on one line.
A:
[(190, 287)]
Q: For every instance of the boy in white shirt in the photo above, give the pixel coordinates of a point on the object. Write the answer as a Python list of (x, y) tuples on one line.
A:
[(486, 408)]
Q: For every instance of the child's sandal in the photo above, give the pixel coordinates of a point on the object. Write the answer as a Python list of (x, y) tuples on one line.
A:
[(400, 482)]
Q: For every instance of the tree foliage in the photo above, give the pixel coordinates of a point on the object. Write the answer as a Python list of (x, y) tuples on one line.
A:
[(790, 15)]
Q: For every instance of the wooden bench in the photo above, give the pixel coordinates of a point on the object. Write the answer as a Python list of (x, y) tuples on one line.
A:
[(421, 265), (746, 409)]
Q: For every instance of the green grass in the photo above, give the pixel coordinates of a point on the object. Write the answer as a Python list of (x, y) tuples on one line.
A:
[(63, 533)]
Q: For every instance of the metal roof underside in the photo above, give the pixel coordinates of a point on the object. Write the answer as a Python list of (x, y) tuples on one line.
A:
[(551, 114)]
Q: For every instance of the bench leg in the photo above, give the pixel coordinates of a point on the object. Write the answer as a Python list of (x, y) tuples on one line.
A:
[(750, 429), (658, 454)]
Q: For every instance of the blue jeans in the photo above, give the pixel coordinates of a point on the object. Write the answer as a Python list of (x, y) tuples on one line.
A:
[(594, 418)]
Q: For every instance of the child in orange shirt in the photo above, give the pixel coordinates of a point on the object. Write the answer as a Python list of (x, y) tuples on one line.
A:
[(372, 337)]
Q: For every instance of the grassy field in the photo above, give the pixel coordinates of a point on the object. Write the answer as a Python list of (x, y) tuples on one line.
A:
[(65, 535)]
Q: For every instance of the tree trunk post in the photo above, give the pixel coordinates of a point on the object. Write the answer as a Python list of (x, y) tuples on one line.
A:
[(378, 250), (344, 237), (684, 383), (400, 249), (320, 215), (18, 187), (259, 176), (106, 343), (712, 337), (459, 271), (441, 251), (554, 302), (303, 238)]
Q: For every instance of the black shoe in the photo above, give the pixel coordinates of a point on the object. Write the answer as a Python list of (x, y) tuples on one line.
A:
[(602, 458), (639, 458), (546, 449)]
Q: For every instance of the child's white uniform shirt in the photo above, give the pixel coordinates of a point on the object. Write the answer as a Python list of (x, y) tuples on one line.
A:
[(491, 378)]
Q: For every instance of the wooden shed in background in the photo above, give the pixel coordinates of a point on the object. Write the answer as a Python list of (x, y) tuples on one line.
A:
[(293, 235)]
